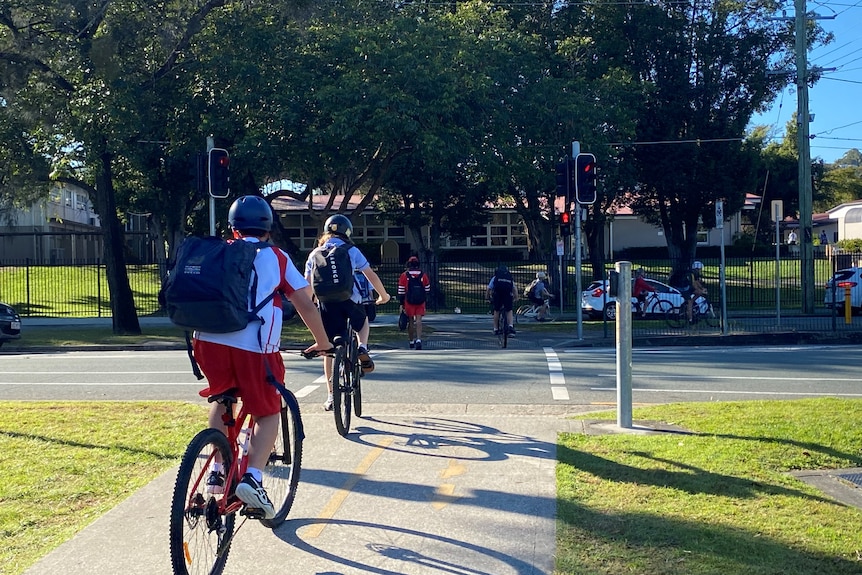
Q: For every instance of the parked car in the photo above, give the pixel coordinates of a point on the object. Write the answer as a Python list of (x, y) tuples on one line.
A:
[(10, 323), (836, 286), (595, 302)]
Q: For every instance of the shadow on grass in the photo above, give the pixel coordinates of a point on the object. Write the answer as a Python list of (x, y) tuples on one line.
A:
[(655, 542), (67, 443)]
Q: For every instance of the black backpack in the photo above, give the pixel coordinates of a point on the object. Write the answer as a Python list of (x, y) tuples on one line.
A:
[(332, 273), (503, 283), (415, 294), (208, 287)]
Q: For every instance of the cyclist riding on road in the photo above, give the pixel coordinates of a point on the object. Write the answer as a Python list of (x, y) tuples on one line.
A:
[(502, 294)]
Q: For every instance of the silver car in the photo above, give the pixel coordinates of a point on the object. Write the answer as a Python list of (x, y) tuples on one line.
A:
[(595, 300)]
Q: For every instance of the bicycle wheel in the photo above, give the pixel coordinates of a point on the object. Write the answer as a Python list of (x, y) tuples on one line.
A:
[(523, 312), (281, 474), (357, 384), (200, 536), (675, 317), (342, 375), (659, 308), (503, 338), (710, 316)]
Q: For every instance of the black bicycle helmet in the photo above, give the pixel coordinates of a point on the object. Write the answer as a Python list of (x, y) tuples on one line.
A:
[(338, 224), (250, 214)]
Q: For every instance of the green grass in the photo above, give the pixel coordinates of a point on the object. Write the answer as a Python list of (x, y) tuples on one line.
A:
[(716, 500), (66, 464)]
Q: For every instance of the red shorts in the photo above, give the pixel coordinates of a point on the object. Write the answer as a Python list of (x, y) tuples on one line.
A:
[(412, 309), (228, 368)]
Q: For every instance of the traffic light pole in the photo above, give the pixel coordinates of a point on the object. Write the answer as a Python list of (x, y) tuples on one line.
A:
[(577, 248), (210, 146)]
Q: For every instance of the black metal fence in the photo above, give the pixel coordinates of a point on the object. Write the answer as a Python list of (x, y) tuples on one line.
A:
[(760, 294)]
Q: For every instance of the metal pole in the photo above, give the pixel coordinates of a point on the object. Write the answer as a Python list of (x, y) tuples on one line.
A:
[(579, 315), (777, 273), (210, 146), (624, 345), (579, 312)]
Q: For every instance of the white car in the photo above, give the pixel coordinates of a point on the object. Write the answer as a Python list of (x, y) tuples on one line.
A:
[(595, 300), (837, 284)]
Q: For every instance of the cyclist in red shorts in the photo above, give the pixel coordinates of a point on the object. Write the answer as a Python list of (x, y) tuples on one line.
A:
[(237, 361)]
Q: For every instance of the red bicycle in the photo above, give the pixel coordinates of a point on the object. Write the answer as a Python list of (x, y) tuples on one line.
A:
[(203, 517)]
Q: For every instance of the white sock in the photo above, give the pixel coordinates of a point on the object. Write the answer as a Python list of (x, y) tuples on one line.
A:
[(256, 473)]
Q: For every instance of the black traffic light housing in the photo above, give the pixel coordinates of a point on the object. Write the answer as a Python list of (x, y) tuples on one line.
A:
[(565, 179), (218, 172), (565, 223), (585, 179)]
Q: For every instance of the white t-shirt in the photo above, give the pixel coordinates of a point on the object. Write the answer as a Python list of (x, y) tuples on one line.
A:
[(268, 270)]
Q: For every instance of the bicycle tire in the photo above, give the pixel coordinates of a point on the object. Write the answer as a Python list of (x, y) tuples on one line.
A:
[(199, 536), (281, 474), (660, 308), (341, 381), (710, 316), (356, 387), (675, 317)]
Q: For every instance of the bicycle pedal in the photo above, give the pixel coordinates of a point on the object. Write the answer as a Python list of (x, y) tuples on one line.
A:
[(252, 512)]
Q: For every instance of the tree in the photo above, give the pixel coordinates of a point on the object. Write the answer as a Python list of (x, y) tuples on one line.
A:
[(701, 74), (88, 71)]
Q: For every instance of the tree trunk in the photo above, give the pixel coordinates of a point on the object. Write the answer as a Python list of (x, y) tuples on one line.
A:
[(123, 313)]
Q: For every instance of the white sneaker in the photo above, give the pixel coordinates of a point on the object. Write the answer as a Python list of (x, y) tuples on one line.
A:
[(327, 405), (254, 495)]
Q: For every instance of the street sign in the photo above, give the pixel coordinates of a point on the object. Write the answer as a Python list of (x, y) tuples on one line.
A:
[(777, 210), (719, 214)]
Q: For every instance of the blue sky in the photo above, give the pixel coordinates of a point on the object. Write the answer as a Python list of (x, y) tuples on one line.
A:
[(836, 100)]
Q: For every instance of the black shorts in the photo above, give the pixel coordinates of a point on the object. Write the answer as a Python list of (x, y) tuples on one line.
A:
[(535, 301), (501, 302), (335, 316)]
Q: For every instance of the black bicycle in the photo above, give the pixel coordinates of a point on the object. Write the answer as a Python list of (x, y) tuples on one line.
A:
[(346, 381)]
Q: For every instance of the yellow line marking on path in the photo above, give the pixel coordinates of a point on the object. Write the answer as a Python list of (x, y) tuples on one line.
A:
[(336, 500)]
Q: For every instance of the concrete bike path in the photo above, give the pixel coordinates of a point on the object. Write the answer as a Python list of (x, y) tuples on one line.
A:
[(466, 491)]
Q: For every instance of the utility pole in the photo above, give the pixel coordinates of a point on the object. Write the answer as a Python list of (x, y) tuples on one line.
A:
[(803, 118), (806, 246)]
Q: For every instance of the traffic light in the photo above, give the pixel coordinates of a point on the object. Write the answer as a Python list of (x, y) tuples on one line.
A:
[(585, 179), (565, 223), (219, 173), (564, 179)]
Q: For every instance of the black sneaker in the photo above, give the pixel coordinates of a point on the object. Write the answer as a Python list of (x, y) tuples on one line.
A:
[(497, 331), (412, 345), (365, 360), (418, 344), (215, 482), (254, 495), (511, 329)]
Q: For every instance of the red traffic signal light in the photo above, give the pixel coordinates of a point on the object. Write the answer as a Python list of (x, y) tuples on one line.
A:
[(218, 172), (565, 223), (585, 179)]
